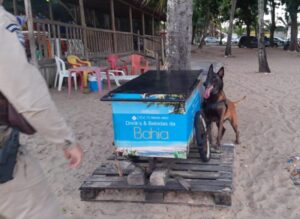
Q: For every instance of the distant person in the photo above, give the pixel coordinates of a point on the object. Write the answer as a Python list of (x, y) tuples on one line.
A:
[(24, 193)]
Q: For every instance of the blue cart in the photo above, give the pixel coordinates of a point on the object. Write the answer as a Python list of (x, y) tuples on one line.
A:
[(158, 114)]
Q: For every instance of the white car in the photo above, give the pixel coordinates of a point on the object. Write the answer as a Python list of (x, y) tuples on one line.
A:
[(211, 40), (234, 40), (279, 41)]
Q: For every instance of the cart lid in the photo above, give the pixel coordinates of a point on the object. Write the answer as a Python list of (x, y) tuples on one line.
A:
[(157, 86)]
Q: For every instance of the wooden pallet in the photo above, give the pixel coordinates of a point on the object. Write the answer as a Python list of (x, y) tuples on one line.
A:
[(186, 175)]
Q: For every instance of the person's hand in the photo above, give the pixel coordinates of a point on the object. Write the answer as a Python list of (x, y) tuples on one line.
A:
[(74, 154)]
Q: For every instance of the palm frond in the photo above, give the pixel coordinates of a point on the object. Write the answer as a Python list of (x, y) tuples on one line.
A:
[(158, 5)]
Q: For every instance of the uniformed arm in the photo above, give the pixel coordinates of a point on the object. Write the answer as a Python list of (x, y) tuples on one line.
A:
[(26, 89)]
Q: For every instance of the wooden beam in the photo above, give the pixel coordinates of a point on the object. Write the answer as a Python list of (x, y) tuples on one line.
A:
[(28, 11), (130, 19), (113, 24), (15, 7)]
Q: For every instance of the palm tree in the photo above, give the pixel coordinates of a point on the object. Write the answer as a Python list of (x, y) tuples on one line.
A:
[(262, 55), (292, 6), (273, 5), (66, 7), (179, 34), (229, 35)]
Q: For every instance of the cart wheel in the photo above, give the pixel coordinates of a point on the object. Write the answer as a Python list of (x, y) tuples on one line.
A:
[(202, 138)]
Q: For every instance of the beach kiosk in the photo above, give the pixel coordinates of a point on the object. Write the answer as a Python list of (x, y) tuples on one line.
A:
[(158, 114)]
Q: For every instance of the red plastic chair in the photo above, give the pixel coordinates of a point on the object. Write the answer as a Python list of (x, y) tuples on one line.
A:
[(138, 63), (114, 62)]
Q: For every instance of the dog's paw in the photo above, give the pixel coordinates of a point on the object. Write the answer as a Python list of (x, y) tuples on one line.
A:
[(237, 142)]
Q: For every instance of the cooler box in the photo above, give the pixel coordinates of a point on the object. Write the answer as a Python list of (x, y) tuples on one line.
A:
[(93, 83), (153, 114)]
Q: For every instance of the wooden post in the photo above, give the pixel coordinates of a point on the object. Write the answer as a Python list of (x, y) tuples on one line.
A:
[(131, 28), (55, 45), (153, 43), (50, 11), (130, 19), (143, 23), (15, 7), (28, 11), (76, 14), (163, 58), (82, 16), (94, 18), (113, 24), (143, 30), (83, 24), (153, 27), (138, 41)]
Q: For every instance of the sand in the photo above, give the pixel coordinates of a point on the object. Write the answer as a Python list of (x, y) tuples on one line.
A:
[(269, 124)]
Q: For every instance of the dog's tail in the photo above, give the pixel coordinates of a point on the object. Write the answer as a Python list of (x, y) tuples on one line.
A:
[(236, 102)]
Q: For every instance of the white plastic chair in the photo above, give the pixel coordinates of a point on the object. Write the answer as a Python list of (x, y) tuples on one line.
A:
[(117, 78), (62, 73)]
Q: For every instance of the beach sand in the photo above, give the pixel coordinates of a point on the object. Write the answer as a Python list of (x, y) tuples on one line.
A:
[(269, 125)]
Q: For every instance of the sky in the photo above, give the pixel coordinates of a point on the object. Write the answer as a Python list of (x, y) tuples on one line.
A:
[(279, 12)]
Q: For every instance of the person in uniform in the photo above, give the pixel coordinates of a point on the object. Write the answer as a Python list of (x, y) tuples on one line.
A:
[(24, 193)]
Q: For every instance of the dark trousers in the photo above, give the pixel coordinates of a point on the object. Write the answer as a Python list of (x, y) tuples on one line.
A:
[(8, 156)]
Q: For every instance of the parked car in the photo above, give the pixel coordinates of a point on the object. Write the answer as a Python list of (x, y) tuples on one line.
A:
[(251, 42), (211, 40), (248, 42), (278, 41), (234, 40), (286, 44), (267, 41)]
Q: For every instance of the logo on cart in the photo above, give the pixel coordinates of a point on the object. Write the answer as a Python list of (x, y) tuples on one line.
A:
[(150, 134), (133, 118)]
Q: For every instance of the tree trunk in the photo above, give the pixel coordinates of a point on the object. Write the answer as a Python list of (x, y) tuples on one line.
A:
[(179, 34), (248, 29), (262, 55), (294, 32), (273, 24), (204, 32), (193, 34), (229, 34)]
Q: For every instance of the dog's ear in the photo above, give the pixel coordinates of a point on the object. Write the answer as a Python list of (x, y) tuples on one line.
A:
[(221, 72), (210, 71)]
